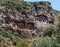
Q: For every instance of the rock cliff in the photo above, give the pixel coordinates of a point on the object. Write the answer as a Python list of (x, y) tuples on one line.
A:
[(28, 23)]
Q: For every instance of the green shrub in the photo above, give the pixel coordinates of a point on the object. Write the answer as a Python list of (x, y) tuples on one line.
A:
[(58, 26), (49, 30), (8, 34), (44, 42), (23, 43)]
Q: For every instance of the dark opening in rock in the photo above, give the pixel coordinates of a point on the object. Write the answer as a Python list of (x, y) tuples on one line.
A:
[(30, 26), (21, 25), (42, 18), (7, 20)]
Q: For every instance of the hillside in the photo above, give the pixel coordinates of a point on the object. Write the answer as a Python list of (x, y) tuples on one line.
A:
[(32, 19), (24, 20)]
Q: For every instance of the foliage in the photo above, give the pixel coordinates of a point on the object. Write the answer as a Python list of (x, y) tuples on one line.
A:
[(23, 43), (49, 30), (44, 42), (44, 3), (58, 26), (20, 5), (51, 36), (7, 34), (51, 33)]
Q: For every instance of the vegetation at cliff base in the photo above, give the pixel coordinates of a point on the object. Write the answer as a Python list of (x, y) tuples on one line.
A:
[(50, 34)]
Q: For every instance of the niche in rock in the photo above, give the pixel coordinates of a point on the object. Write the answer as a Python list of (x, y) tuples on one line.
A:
[(7, 20), (30, 26), (42, 18), (25, 25), (21, 25)]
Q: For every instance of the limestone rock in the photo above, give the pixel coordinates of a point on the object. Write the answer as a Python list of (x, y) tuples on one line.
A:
[(33, 19)]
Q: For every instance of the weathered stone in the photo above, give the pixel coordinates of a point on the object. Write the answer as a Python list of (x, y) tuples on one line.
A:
[(35, 18)]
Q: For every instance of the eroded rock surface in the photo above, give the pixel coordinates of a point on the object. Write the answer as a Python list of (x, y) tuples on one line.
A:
[(27, 24)]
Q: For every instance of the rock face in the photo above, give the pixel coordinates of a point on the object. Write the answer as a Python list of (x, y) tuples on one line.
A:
[(28, 23)]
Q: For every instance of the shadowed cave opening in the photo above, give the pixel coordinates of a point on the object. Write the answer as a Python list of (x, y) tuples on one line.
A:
[(42, 18), (25, 25)]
